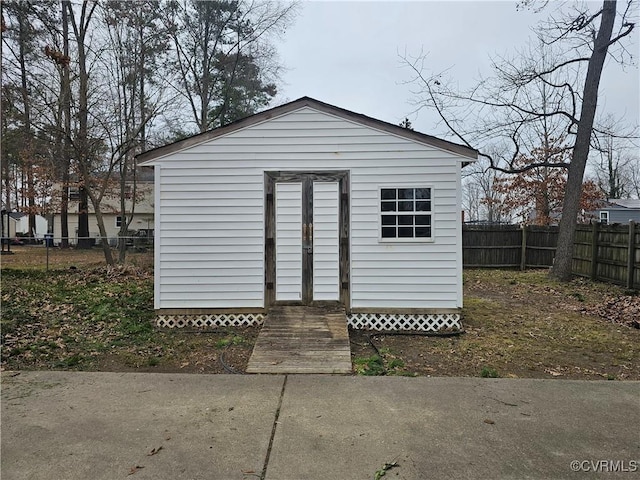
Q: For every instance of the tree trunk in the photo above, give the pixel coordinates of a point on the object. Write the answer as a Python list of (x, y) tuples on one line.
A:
[(84, 242), (106, 248), (64, 206), (31, 199), (122, 241), (143, 130), (66, 112), (28, 161), (84, 156), (564, 252)]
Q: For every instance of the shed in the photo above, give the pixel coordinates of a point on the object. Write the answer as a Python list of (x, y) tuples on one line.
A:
[(308, 203)]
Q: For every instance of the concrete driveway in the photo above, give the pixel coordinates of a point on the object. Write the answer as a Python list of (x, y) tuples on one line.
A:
[(68, 425)]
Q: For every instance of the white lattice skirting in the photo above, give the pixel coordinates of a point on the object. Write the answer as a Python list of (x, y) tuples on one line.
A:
[(209, 320), (427, 322), (424, 322)]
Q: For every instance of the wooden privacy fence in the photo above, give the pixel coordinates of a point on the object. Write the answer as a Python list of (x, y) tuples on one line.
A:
[(609, 253), (508, 246)]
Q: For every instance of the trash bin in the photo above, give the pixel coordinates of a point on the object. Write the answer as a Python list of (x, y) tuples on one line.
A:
[(48, 239)]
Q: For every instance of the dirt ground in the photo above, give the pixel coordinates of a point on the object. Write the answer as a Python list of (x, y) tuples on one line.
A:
[(80, 315)]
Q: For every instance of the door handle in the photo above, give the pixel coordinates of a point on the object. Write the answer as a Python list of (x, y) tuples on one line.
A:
[(304, 232)]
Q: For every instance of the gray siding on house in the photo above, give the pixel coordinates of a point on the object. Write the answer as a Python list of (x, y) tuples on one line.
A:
[(622, 215), (210, 222)]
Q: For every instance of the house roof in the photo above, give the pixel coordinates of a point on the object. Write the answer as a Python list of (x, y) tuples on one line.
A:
[(462, 150), (624, 202)]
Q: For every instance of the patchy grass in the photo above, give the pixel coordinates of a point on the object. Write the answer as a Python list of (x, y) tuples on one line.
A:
[(518, 324), (230, 340), (488, 372), (524, 324), (383, 362), (100, 318), (372, 365)]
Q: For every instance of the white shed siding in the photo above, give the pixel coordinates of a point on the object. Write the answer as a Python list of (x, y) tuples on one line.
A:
[(212, 228), (211, 239), (411, 275)]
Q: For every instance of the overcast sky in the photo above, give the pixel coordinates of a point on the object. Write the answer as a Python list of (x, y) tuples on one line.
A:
[(347, 53)]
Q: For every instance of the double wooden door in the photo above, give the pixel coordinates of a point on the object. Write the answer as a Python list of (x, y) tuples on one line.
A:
[(307, 228)]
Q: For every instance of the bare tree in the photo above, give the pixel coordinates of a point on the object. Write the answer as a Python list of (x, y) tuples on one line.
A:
[(603, 38), (24, 31), (137, 48), (87, 94), (481, 199), (574, 48), (56, 117), (83, 146), (634, 176), (615, 162)]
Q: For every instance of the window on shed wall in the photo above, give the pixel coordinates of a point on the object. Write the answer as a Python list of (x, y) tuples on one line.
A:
[(119, 221), (406, 214), (604, 217)]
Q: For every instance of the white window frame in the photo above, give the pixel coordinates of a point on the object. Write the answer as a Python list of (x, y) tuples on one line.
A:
[(396, 186), (73, 193), (604, 217), (120, 220)]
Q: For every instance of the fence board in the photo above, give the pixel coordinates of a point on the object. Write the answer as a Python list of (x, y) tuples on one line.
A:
[(541, 245)]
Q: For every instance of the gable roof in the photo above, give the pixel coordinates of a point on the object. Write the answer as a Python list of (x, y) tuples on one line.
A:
[(462, 150)]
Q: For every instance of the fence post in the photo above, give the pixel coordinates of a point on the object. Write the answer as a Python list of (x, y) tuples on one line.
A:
[(632, 253), (594, 251), (523, 253)]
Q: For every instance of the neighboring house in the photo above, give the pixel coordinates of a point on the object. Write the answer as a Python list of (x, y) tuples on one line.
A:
[(619, 211), (23, 225), (142, 218), (309, 203)]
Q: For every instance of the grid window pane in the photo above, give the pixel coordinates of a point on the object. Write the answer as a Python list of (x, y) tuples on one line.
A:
[(405, 193), (388, 220), (423, 219), (388, 232), (388, 194), (388, 206), (405, 219), (405, 206), (405, 232), (423, 193), (423, 232)]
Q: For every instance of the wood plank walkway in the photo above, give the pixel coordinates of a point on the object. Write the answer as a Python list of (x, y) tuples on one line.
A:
[(302, 340)]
